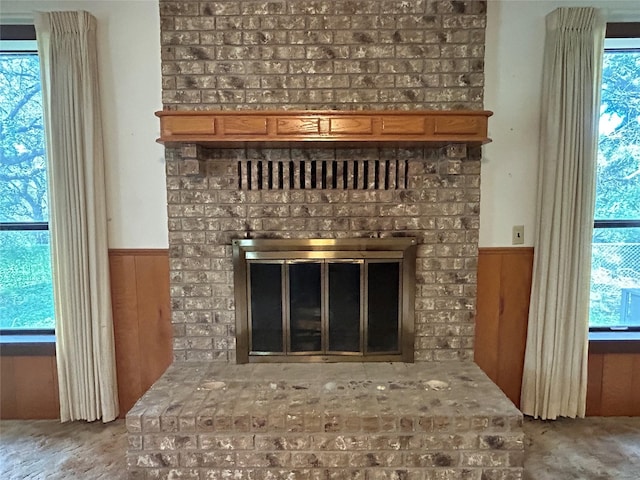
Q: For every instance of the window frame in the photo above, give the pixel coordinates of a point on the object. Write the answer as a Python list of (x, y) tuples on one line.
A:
[(616, 339), (23, 341)]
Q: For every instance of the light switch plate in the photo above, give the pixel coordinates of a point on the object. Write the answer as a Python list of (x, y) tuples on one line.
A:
[(517, 236)]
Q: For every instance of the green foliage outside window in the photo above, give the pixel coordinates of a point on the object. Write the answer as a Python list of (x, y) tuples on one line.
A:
[(26, 298), (615, 271)]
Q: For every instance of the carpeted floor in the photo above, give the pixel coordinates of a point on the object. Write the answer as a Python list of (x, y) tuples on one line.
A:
[(47, 449), (593, 448), (587, 449)]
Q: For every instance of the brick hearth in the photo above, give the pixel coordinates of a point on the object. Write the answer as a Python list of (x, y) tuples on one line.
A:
[(325, 421)]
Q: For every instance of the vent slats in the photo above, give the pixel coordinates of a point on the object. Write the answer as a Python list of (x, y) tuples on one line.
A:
[(322, 175)]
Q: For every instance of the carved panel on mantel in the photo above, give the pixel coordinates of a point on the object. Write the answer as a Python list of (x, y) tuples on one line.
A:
[(228, 128)]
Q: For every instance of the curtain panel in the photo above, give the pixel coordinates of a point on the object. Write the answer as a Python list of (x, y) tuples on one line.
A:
[(78, 222), (555, 371)]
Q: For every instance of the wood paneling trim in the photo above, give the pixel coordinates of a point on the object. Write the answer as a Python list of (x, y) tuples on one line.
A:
[(29, 387), (124, 301), (504, 285), (620, 392), (154, 317), (8, 400), (505, 251), (614, 346), (594, 384), (488, 315), (514, 297), (37, 387), (138, 252), (37, 346), (141, 320)]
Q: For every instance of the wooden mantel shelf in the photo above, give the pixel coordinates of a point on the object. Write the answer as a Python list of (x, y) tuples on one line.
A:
[(228, 128)]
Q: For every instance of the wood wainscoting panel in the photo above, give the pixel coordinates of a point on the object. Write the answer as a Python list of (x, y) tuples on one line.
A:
[(154, 317), (517, 270), (141, 318), (124, 303), (37, 387), (594, 384), (488, 314), (620, 385), (504, 286), (29, 387), (8, 400)]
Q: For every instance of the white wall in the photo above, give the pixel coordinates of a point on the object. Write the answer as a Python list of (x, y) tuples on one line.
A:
[(513, 75), (130, 83)]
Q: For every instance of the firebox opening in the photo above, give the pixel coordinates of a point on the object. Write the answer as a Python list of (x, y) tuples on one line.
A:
[(324, 300)]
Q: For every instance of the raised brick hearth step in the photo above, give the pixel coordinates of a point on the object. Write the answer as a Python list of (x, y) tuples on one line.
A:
[(419, 421)]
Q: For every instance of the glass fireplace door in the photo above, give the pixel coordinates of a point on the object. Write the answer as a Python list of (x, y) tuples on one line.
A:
[(344, 288), (324, 307), (305, 306), (266, 311)]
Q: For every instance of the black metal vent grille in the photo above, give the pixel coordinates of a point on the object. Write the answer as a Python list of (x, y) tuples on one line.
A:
[(322, 175)]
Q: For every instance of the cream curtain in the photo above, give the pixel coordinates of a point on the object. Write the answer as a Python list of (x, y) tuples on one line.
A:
[(78, 222), (555, 371)]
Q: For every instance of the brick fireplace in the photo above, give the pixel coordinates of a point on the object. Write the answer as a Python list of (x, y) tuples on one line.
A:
[(210, 418), (380, 55)]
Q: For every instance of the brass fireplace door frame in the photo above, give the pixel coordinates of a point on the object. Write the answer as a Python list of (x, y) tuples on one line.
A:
[(400, 250)]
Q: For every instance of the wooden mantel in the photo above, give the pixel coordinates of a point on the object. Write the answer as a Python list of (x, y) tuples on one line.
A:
[(228, 128)]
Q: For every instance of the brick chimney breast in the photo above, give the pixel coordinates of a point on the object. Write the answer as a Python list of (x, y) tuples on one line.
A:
[(323, 55)]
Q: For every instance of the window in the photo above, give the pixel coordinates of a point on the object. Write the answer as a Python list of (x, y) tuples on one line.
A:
[(26, 292), (615, 271)]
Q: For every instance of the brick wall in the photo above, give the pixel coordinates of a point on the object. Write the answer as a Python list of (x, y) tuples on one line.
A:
[(301, 54)]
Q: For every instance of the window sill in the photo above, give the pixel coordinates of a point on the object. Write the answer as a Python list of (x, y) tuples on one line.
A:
[(614, 342), (27, 345)]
